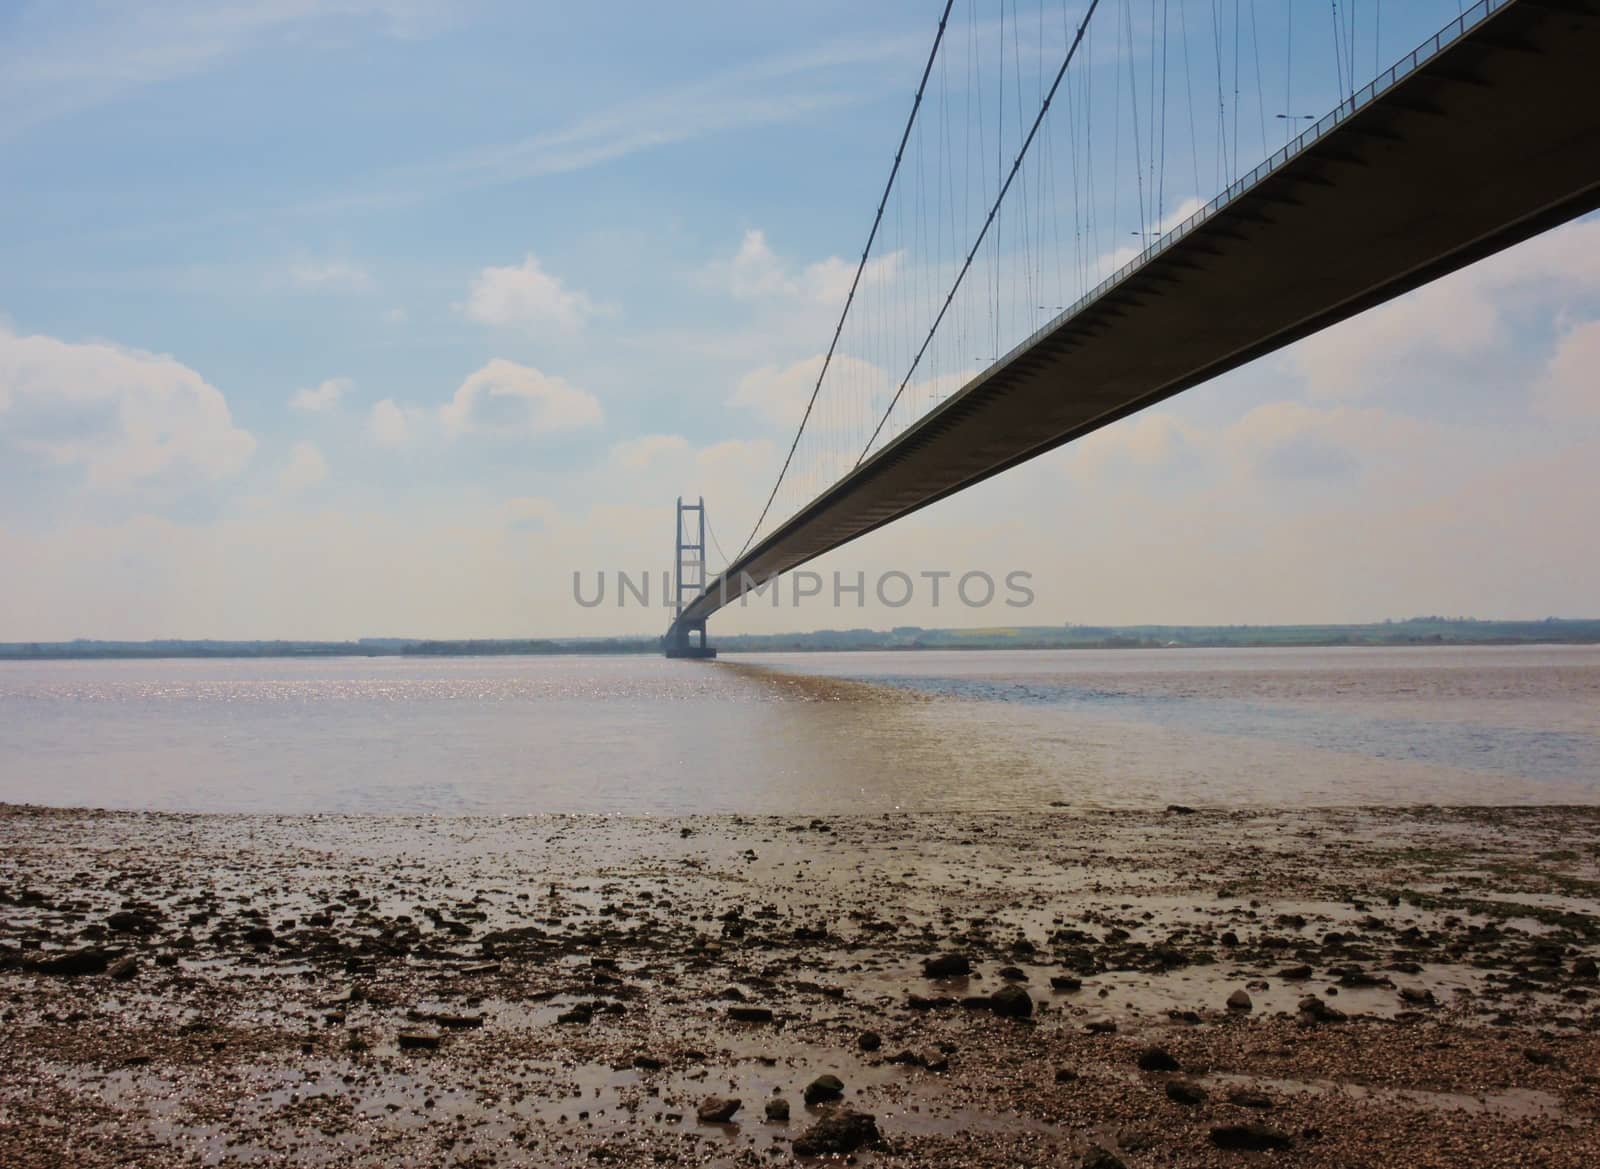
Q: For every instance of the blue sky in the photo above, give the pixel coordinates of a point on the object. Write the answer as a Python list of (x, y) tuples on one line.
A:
[(335, 318)]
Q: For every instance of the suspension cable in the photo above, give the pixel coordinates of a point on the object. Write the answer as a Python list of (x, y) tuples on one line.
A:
[(717, 544), (877, 219), (993, 211)]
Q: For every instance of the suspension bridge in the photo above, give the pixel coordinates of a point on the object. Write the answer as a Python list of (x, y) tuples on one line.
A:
[(1041, 263)]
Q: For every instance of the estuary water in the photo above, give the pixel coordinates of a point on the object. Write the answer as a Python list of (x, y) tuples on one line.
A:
[(808, 733)]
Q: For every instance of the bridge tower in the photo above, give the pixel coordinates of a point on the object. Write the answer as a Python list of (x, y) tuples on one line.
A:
[(688, 580)]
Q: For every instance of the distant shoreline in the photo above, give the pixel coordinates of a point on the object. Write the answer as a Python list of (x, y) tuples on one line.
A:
[(1421, 631)]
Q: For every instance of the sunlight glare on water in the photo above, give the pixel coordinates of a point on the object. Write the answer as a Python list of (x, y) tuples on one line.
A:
[(807, 733)]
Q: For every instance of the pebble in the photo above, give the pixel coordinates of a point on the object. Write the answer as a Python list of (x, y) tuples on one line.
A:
[(946, 966), (825, 1087), (1186, 1092), (131, 922), (123, 968), (717, 1109), (1318, 1010), (1249, 1098), (931, 1059), (644, 945), (88, 960), (1157, 1059), (1252, 1135), (1011, 1002), (838, 1133)]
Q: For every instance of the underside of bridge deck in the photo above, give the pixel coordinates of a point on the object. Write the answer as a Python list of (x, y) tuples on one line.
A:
[(1491, 141)]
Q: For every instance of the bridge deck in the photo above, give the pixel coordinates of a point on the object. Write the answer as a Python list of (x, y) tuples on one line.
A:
[(1493, 138)]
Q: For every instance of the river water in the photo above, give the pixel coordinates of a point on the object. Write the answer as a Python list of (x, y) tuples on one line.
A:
[(808, 733)]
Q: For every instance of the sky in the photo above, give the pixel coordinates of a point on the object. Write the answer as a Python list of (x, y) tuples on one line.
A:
[(344, 318)]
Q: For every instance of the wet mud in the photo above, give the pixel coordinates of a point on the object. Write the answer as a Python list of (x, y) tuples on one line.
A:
[(1320, 988)]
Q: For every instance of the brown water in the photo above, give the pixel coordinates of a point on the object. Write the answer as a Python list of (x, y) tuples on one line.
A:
[(811, 733)]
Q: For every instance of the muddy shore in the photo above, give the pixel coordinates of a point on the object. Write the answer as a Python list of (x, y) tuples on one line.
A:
[(1319, 988)]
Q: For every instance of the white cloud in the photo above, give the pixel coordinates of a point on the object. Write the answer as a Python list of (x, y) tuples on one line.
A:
[(1556, 264), (1453, 325), (306, 468), (755, 269), (527, 297), (756, 272), (330, 275), (650, 471), (637, 454), (779, 393), (389, 425), (321, 397), (1147, 443), (529, 513), (510, 399), (122, 414), (492, 568), (1181, 212), (85, 55), (1492, 537), (850, 404), (1365, 357), (1103, 265), (737, 465), (793, 87), (1570, 388), (788, 88), (1282, 443), (1287, 441)]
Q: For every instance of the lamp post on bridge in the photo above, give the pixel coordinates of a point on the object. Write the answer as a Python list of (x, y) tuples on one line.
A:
[(1289, 121)]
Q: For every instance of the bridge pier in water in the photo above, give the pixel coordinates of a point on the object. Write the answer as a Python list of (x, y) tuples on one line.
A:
[(688, 576), (680, 643)]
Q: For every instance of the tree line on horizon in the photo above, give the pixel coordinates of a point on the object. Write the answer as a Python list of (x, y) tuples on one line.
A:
[(1410, 631)]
